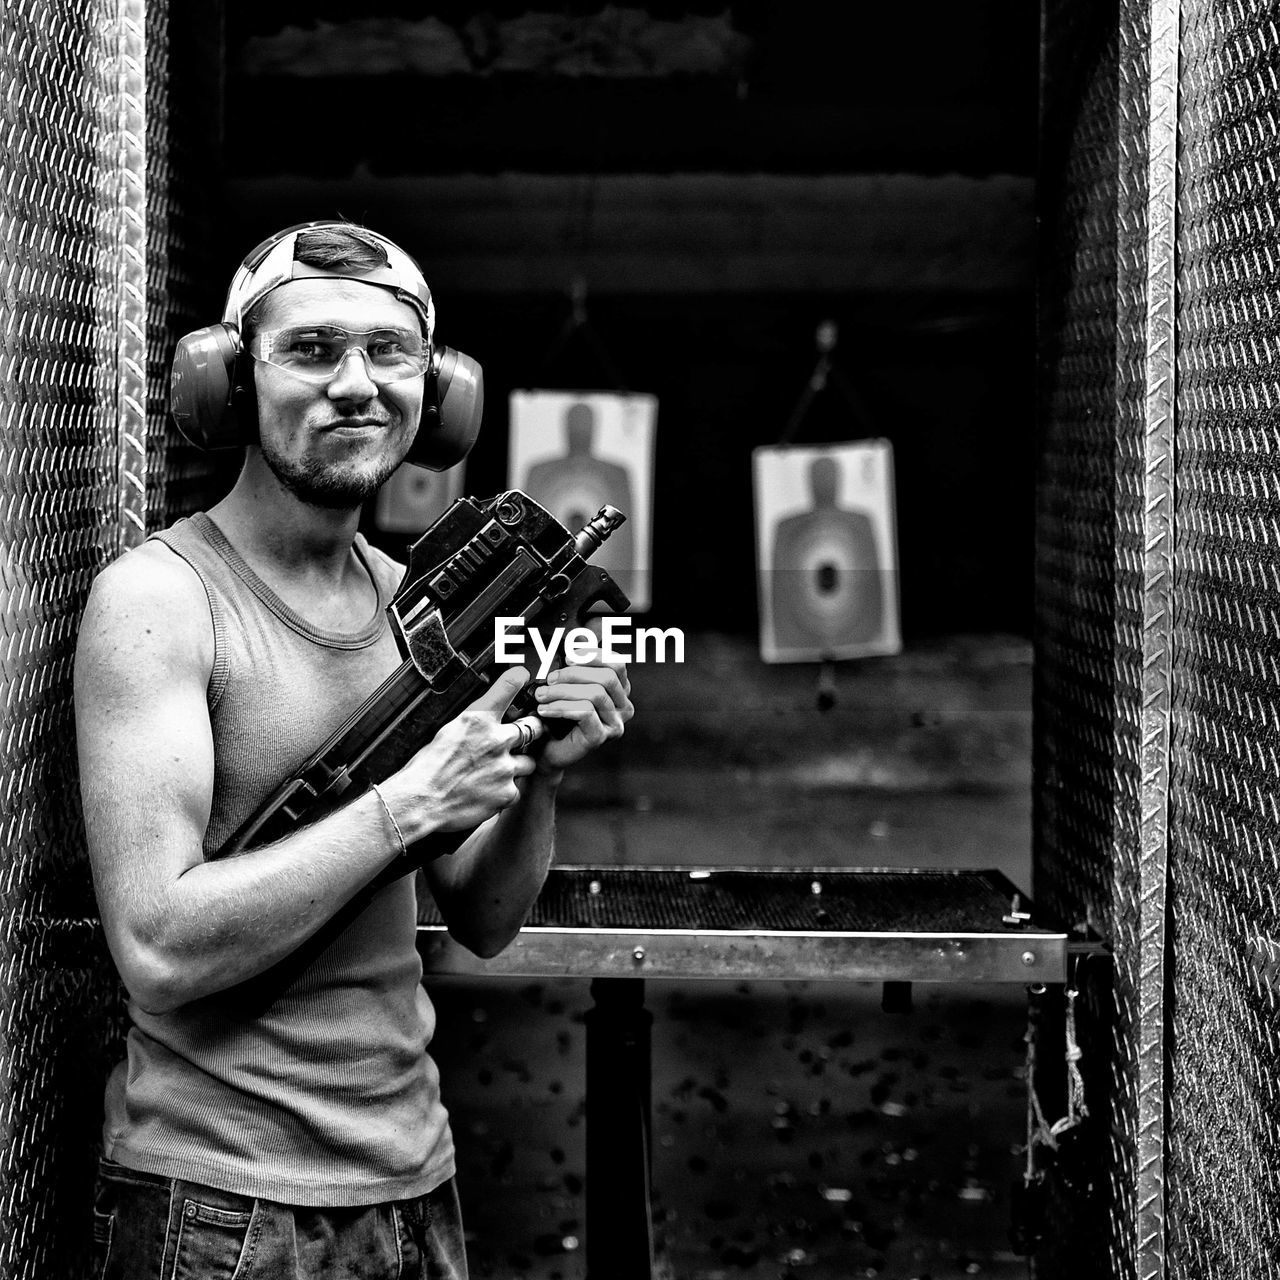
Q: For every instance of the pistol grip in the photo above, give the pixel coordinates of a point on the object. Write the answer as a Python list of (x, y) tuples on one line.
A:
[(525, 704)]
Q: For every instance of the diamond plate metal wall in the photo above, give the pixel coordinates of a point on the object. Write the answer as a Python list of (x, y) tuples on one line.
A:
[(1148, 140), (1180, 858), (1075, 526), (1078, 675), (60, 519), (1105, 584), (1224, 1152), (81, 234)]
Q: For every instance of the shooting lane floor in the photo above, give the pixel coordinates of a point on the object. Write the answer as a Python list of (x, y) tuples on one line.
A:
[(798, 1130)]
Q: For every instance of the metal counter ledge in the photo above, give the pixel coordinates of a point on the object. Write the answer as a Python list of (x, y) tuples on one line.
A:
[(737, 923)]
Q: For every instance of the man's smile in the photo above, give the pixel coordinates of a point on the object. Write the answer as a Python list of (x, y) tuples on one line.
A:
[(356, 424)]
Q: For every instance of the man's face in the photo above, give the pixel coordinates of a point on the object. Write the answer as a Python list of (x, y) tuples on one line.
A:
[(335, 443)]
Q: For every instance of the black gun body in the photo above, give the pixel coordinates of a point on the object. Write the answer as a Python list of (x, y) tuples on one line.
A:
[(481, 561)]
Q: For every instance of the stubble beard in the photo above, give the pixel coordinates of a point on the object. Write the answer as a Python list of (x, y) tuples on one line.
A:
[(333, 486)]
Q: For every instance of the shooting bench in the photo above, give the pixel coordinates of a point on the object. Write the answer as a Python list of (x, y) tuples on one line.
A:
[(619, 925)]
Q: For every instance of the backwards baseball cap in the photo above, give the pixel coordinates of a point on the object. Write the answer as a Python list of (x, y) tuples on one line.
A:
[(272, 264)]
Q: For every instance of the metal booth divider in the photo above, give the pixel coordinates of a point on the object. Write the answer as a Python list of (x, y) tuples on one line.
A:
[(1157, 688), (108, 132), (1224, 770)]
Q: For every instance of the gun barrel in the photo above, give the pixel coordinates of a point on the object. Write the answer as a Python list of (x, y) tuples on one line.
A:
[(597, 529)]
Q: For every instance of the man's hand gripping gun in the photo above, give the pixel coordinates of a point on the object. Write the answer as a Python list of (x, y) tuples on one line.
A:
[(505, 557)]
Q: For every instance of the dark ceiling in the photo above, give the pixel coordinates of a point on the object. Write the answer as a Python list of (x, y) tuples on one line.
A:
[(721, 179), (804, 87)]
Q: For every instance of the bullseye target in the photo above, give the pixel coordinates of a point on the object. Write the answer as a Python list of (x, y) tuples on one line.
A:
[(826, 550), (576, 451)]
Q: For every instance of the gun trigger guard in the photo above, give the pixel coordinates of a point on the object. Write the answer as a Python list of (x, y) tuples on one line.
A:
[(592, 586), (605, 590), (430, 650)]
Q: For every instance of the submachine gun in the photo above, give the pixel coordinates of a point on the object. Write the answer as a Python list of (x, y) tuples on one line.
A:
[(483, 559)]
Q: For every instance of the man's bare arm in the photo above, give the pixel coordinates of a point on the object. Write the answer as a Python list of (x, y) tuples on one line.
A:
[(485, 890), (179, 927)]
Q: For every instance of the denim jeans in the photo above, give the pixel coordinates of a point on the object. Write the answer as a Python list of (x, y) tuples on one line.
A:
[(153, 1228)]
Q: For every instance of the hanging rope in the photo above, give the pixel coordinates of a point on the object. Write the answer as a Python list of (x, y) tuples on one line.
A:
[(825, 374), (578, 326), (1039, 1130)]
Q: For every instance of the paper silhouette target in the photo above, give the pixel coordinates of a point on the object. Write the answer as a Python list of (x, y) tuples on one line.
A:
[(827, 552), (413, 498), (574, 452)]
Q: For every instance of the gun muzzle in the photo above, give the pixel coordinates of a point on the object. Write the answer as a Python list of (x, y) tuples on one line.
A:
[(597, 529)]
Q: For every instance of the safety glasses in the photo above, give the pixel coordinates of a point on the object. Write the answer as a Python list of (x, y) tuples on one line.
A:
[(315, 353)]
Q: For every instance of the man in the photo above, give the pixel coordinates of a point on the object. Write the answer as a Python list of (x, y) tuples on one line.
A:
[(278, 1114)]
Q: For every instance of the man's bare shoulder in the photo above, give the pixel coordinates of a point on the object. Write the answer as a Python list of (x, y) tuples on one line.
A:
[(149, 606)]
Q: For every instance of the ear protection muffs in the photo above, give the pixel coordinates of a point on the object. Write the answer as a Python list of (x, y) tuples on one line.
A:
[(211, 388)]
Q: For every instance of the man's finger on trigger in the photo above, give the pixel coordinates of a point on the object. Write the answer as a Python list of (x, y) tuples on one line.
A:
[(584, 716), (528, 730), (501, 693)]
